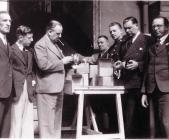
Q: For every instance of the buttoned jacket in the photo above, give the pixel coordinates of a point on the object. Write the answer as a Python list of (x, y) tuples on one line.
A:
[(22, 71), (137, 52), (5, 70)]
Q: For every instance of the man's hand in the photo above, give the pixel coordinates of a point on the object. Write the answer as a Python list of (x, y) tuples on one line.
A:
[(131, 65), (67, 59), (33, 83), (144, 101), (117, 65), (76, 58)]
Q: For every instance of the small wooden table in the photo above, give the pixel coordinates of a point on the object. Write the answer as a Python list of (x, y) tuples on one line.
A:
[(90, 90)]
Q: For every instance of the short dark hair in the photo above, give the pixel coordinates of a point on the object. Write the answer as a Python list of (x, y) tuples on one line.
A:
[(103, 36), (166, 22), (23, 30), (115, 23), (52, 24), (133, 19)]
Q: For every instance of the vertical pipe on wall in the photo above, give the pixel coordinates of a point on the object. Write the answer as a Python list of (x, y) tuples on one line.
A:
[(96, 21), (145, 17), (48, 6)]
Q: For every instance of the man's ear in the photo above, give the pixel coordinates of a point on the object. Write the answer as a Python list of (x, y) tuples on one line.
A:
[(20, 37), (49, 32)]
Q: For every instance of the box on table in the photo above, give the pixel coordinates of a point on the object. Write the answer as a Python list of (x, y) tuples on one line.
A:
[(105, 67), (104, 81), (79, 78), (93, 71), (82, 68)]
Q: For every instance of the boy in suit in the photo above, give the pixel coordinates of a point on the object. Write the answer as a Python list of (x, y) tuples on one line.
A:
[(22, 107)]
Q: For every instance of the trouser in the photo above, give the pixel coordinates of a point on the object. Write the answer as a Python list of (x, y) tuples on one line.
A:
[(22, 117), (5, 116), (134, 115), (104, 106), (160, 102), (50, 114)]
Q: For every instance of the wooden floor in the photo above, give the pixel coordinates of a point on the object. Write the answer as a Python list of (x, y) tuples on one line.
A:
[(71, 135)]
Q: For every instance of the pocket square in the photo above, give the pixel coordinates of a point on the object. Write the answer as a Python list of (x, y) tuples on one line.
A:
[(167, 43), (140, 49)]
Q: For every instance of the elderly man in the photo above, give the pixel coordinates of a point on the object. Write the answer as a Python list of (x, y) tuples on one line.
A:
[(156, 77), (50, 80), (5, 75)]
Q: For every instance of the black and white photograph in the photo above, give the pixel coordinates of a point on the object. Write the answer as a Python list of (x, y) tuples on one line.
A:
[(84, 69)]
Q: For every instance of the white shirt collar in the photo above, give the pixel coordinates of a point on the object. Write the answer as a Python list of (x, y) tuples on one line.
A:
[(3, 37), (163, 38), (20, 46), (135, 37)]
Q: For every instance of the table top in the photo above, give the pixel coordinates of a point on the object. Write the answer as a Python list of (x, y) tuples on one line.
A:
[(98, 89)]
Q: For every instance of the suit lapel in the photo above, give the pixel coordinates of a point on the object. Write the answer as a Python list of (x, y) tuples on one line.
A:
[(3, 47), (9, 49), (160, 48), (133, 48), (153, 50), (19, 54), (163, 46), (29, 60), (55, 49)]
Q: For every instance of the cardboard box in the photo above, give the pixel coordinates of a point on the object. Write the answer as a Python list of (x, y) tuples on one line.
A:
[(105, 81), (93, 71), (105, 67), (82, 68)]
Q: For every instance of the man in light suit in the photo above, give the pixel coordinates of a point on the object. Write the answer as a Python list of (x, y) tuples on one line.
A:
[(133, 54), (5, 75), (50, 81), (22, 107), (156, 77)]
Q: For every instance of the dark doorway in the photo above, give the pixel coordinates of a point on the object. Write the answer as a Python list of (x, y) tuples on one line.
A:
[(75, 16), (154, 11)]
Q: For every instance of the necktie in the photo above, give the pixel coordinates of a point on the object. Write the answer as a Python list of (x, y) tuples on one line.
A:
[(129, 43), (4, 41), (25, 55), (158, 43)]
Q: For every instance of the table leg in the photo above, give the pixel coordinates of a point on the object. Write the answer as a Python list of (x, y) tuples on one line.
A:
[(120, 116), (80, 115)]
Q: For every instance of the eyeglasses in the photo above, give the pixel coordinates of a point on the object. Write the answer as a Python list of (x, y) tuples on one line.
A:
[(158, 26)]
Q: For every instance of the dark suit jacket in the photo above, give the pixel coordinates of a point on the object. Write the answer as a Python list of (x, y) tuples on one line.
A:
[(21, 71), (157, 74), (114, 52), (5, 71), (133, 78)]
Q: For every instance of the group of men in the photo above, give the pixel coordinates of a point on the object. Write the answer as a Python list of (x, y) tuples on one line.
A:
[(18, 81), (142, 62)]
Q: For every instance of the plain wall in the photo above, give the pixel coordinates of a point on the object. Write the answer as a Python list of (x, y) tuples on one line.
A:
[(116, 11), (3, 5)]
